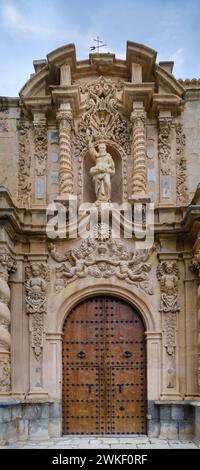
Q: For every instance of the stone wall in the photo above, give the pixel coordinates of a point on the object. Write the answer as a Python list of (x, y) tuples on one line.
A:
[(25, 420)]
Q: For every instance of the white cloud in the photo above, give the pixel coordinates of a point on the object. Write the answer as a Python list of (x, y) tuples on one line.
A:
[(178, 56), (15, 21)]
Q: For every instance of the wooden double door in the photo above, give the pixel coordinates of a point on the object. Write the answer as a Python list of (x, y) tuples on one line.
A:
[(104, 369)]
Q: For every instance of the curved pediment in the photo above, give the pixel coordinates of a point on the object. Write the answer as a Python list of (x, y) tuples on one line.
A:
[(61, 68)]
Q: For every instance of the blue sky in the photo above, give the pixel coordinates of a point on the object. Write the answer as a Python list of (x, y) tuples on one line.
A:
[(29, 29)]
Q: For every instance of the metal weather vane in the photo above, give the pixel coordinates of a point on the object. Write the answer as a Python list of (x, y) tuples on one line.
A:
[(99, 44)]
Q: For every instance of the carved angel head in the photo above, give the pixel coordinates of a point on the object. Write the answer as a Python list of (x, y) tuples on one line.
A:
[(167, 267)]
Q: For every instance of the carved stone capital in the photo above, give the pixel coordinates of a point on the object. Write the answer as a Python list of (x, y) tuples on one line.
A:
[(138, 117), (65, 118), (7, 265)]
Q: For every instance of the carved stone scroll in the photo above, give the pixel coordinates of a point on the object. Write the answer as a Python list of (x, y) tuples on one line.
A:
[(36, 302), (64, 117), (7, 266)]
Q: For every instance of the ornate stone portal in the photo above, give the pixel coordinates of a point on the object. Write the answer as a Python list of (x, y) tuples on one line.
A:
[(107, 131)]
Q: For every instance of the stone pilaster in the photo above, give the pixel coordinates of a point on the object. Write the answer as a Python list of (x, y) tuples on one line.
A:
[(168, 276), (138, 154), (7, 265), (64, 117), (196, 264), (36, 307)]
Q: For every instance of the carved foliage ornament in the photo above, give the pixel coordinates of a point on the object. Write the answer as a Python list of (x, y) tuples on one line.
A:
[(164, 145), (181, 186), (36, 302), (24, 179), (40, 139), (103, 259)]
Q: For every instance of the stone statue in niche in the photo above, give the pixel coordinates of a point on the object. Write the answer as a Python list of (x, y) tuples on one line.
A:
[(102, 172)]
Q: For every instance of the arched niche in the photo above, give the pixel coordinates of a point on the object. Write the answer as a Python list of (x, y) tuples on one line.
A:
[(117, 179)]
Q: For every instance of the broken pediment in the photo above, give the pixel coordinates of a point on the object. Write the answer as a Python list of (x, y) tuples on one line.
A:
[(58, 74)]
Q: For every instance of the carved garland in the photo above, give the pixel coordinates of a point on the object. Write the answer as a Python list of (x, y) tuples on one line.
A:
[(40, 139), (181, 186), (36, 302), (101, 258), (164, 145), (103, 120), (168, 275), (24, 179)]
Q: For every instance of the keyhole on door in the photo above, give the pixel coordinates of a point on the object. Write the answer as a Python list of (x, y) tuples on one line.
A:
[(120, 387)]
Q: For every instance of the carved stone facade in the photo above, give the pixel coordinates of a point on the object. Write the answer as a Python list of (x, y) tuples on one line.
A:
[(95, 131)]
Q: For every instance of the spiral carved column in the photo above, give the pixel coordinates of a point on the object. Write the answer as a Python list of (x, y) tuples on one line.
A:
[(139, 179), (64, 117), (6, 266)]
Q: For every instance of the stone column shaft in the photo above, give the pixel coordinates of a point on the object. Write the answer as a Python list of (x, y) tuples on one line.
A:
[(139, 179), (6, 265), (64, 117)]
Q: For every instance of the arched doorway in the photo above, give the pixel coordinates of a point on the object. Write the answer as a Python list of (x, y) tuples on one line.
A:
[(104, 369)]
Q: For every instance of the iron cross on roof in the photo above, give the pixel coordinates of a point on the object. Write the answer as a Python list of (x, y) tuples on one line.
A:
[(99, 44)]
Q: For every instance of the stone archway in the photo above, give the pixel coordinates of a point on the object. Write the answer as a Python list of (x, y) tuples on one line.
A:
[(104, 368)]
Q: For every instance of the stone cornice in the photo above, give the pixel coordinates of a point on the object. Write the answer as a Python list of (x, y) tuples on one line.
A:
[(137, 92), (20, 223), (167, 102), (67, 94), (34, 103), (168, 80)]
